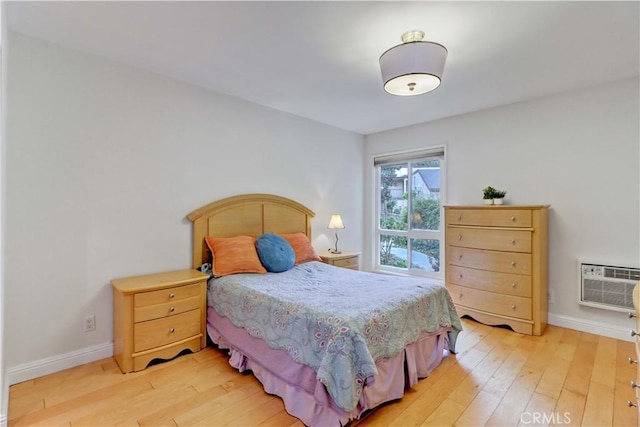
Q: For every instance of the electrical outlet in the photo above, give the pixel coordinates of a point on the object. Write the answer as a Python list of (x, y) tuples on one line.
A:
[(90, 323)]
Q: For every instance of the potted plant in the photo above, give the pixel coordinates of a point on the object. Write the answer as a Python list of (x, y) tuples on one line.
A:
[(488, 194), (498, 195)]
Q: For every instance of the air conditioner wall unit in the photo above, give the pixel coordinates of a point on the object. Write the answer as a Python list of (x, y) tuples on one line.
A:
[(606, 286)]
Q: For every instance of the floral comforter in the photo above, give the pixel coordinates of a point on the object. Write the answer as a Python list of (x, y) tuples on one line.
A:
[(335, 320)]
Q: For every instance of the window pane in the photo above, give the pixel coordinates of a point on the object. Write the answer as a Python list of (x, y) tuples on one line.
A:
[(425, 195), (408, 233), (425, 254), (393, 251), (393, 202)]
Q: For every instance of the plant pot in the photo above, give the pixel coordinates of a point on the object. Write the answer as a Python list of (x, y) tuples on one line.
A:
[(497, 201), (488, 201)]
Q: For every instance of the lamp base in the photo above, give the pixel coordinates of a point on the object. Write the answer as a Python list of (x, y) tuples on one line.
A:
[(334, 251)]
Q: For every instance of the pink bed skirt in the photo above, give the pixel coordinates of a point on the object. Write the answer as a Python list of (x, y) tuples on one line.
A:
[(304, 396), (307, 398)]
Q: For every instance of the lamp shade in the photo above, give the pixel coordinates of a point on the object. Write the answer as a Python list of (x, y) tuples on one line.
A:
[(335, 222), (413, 68)]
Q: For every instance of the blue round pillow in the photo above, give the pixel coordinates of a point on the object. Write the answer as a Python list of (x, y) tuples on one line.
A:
[(275, 253)]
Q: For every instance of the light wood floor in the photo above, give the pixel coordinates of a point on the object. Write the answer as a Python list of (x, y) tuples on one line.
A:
[(497, 378)]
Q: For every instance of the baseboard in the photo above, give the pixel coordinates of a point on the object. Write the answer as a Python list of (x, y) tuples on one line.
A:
[(47, 366), (617, 332)]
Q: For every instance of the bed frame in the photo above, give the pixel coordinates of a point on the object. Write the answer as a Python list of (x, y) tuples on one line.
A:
[(246, 214), (256, 214)]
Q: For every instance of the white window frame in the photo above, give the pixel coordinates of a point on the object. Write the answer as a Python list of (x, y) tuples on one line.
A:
[(413, 156)]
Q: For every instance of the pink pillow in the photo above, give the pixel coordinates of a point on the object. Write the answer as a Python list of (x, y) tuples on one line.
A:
[(233, 255)]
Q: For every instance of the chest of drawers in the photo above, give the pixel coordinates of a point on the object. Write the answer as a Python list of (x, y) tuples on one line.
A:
[(496, 264), (157, 316)]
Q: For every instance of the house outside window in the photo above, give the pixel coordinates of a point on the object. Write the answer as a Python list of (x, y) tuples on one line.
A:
[(409, 233)]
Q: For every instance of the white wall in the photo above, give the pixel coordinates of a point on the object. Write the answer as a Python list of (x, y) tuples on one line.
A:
[(103, 163), (576, 151)]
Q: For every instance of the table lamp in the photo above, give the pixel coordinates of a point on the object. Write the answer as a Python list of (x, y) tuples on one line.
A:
[(334, 224)]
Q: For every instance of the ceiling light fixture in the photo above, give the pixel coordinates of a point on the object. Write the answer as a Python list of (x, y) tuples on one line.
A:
[(413, 67)]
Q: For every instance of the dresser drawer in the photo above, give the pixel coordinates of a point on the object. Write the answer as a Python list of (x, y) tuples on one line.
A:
[(497, 240), (489, 217), (504, 262), (166, 295), (505, 305), (150, 312), (504, 283), (159, 332)]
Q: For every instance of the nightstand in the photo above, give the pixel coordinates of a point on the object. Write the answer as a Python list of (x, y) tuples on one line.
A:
[(345, 259), (157, 316)]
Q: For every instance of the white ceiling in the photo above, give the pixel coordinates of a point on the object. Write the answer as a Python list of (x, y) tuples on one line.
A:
[(320, 59)]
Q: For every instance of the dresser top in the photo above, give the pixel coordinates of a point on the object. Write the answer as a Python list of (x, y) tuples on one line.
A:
[(489, 207)]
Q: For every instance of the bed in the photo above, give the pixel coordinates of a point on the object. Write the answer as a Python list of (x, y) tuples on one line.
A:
[(331, 342)]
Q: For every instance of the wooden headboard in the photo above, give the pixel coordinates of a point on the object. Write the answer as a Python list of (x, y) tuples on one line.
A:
[(246, 214)]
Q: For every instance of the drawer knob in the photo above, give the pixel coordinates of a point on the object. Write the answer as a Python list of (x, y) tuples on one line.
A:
[(459, 257), (632, 361), (459, 236), (459, 217), (513, 306), (513, 242), (632, 315), (172, 330), (172, 309), (634, 385), (630, 404), (460, 276), (171, 295), (461, 296), (513, 218), (633, 333), (513, 263), (513, 285)]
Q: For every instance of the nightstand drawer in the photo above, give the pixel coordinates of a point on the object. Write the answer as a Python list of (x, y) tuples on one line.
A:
[(504, 283), (489, 217), (159, 332), (166, 295), (495, 240), (173, 308), (346, 262), (505, 305)]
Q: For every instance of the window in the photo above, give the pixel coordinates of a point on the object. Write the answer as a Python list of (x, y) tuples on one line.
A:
[(409, 233)]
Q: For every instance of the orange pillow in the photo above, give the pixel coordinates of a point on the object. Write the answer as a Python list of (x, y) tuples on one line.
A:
[(302, 247), (233, 255)]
